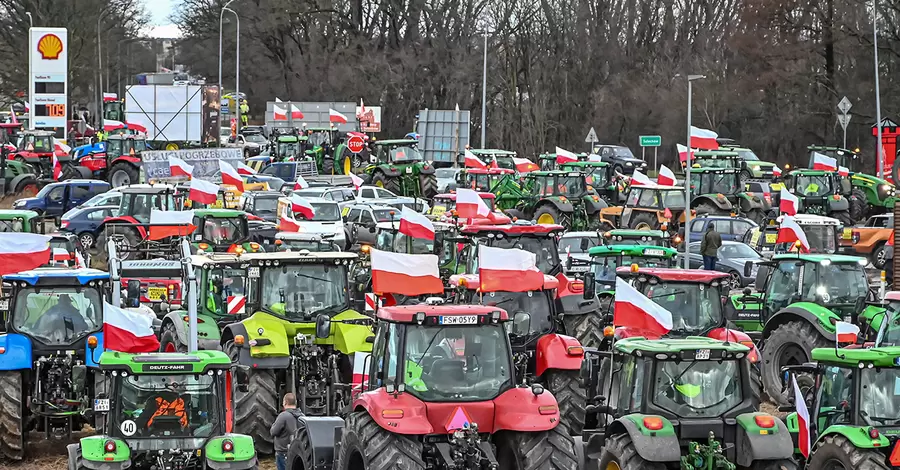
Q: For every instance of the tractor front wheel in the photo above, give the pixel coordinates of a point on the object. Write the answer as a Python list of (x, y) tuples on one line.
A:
[(644, 221), (836, 452), (548, 214), (381, 180), (859, 205), (12, 418), (327, 163), (169, 341), (566, 386), (790, 344), (844, 217), (367, 446), (255, 410), (428, 186), (75, 460), (619, 453), (123, 174), (587, 328), (542, 450), (27, 187)]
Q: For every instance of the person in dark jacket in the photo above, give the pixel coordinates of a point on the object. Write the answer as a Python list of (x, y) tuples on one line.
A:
[(283, 429), (709, 247)]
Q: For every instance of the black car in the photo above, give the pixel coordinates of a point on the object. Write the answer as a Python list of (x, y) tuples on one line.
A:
[(262, 204), (620, 158)]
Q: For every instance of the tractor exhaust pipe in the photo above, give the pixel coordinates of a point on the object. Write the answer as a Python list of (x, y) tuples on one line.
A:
[(192, 289)]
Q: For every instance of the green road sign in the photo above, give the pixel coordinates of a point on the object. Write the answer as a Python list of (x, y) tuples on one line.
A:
[(651, 141)]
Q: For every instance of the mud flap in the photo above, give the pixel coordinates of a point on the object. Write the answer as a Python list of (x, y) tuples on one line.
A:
[(322, 432), (752, 447), (653, 448)]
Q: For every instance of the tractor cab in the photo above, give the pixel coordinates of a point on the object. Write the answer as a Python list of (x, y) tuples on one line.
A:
[(647, 208), (751, 166), (17, 220), (679, 403), (400, 167), (139, 199), (444, 207), (540, 239), (714, 159), (505, 159), (720, 191), (599, 177), (323, 137), (868, 194), (819, 193), (607, 259), (37, 148), (129, 226), (448, 244), (481, 179), (561, 197), (823, 234), (155, 283), (119, 145), (640, 237), (222, 230)]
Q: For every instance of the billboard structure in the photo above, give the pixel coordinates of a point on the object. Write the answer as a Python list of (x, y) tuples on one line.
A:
[(313, 114), (48, 79), (443, 134), (169, 113)]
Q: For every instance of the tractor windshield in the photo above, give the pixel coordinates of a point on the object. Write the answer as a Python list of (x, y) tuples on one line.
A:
[(713, 183), (321, 139), (224, 230), (396, 242), (604, 268), (709, 162), (456, 363), (597, 176), (811, 185), (673, 199), (304, 291), (834, 284), (223, 285), (406, 154), (15, 224), (166, 406), (879, 401), (57, 315), (532, 312), (696, 308), (700, 389), (570, 185), (544, 247), (288, 149)]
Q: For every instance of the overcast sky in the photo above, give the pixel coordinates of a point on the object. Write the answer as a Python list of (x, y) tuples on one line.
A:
[(160, 10)]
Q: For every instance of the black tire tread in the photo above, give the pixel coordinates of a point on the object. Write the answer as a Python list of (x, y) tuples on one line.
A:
[(571, 397), (647, 217), (800, 332), (255, 410), (392, 184), (169, 335), (586, 328), (620, 448), (133, 175), (836, 444), (542, 450), (12, 437), (843, 217), (380, 448), (428, 186)]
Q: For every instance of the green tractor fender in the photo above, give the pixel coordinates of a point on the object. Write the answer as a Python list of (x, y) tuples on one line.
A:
[(814, 314), (349, 332), (841, 204), (94, 455), (423, 168), (857, 435), (208, 334), (723, 203), (869, 185), (388, 170), (593, 207), (242, 456), (873, 315), (565, 207), (273, 353), (755, 443), (653, 446), (748, 203)]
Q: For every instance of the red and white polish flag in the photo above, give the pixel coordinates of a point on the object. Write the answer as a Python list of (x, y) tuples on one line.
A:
[(789, 203), (127, 331), (682, 152), (245, 170), (203, 192), (405, 274), (179, 167), (776, 171), (57, 168), (356, 180), (666, 177), (802, 419), (843, 171), (295, 112), (791, 232), (472, 161), (508, 270), (23, 251), (415, 225), (824, 162), (60, 255), (110, 97), (524, 165), (280, 113), (287, 223), (60, 148), (703, 139), (846, 333), (300, 205), (360, 374), (469, 204), (231, 176), (336, 117), (112, 124), (565, 156), (237, 304), (634, 310), (300, 183), (640, 179), (164, 224), (79, 261), (136, 127)]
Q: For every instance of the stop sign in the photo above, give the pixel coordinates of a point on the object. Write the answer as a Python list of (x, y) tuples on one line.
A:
[(355, 144)]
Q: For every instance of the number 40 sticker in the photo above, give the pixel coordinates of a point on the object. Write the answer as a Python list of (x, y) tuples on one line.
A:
[(128, 428)]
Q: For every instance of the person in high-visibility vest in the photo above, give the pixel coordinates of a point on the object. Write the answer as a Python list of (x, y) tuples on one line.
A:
[(245, 112)]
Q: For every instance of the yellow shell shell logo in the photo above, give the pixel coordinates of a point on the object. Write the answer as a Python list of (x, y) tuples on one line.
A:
[(50, 46)]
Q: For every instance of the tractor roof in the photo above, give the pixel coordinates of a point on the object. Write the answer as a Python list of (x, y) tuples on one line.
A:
[(675, 275), (298, 257), (146, 188), (218, 213), (691, 344), (407, 313), (198, 362), (493, 152), (397, 142), (452, 196), (6, 214), (851, 357), (818, 258), (807, 171), (554, 173), (631, 234), (807, 219), (473, 281), (58, 276), (633, 250), (518, 228)]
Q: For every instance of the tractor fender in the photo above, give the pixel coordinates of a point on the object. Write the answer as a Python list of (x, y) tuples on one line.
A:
[(350, 338), (387, 171), (95, 457), (321, 433), (426, 169), (251, 356), (842, 204), (749, 203), (722, 204), (18, 179), (208, 337), (128, 220), (17, 353), (754, 443), (242, 457), (560, 206), (592, 207), (135, 161), (415, 417), (652, 446), (556, 351), (809, 312), (519, 409), (83, 172), (858, 436)]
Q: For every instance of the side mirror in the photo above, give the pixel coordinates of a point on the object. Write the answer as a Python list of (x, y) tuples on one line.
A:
[(133, 293), (521, 324), (585, 243), (589, 286), (323, 326), (748, 268), (370, 339)]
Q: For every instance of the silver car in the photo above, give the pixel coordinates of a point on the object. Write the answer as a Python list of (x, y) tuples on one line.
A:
[(360, 221)]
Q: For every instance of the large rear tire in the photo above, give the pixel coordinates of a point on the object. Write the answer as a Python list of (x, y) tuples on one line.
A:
[(619, 453), (790, 344), (383, 181), (711, 209), (549, 214), (123, 174), (12, 417), (859, 205), (367, 446), (836, 451), (644, 221), (571, 397), (327, 163), (255, 410), (586, 328), (542, 450), (428, 186), (27, 187), (126, 239), (168, 340), (843, 217)]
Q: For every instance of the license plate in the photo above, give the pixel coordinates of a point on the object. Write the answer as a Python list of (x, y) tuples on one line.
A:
[(771, 238), (702, 354), (579, 269), (409, 170), (654, 252), (438, 210), (459, 320), (4, 305), (848, 233), (156, 293), (101, 404)]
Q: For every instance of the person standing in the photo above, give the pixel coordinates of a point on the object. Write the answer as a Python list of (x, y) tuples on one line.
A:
[(283, 429), (709, 247)]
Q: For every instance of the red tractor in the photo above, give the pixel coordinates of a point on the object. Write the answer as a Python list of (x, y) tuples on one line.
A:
[(37, 148), (439, 393), (129, 227), (117, 159)]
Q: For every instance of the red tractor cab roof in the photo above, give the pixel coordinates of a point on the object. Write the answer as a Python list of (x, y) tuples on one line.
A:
[(408, 313), (473, 281), (513, 229), (674, 275)]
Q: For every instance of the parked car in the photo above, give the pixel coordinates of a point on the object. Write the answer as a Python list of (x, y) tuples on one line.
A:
[(730, 228), (343, 196), (224, 134), (326, 219), (732, 258), (376, 195), (56, 199), (359, 223), (446, 179), (109, 198), (576, 245), (870, 239), (620, 158), (85, 223), (250, 144)]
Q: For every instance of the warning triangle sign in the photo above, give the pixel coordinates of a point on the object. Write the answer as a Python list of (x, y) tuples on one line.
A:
[(458, 420), (592, 136)]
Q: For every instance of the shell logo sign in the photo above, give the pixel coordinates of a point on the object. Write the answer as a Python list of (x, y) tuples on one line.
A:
[(50, 46)]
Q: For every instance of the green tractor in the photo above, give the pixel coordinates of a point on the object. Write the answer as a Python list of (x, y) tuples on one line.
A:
[(868, 194), (288, 291), (286, 146), (400, 167), (601, 178), (165, 411), (719, 191), (327, 146), (819, 193), (504, 158), (607, 258), (624, 236), (551, 197), (221, 231), (853, 409), (686, 404)]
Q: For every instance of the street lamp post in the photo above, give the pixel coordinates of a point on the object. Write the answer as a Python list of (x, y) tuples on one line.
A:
[(100, 72), (221, 16), (687, 176), (30, 19), (878, 152), (484, 93), (237, 72)]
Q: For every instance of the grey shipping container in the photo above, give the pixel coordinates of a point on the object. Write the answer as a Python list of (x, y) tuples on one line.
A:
[(443, 134), (315, 114)]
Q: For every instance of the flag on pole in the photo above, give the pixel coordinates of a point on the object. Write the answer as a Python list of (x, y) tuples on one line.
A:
[(127, 331), (245, 170), (203, 192), (231, 176), (565, 156), (405, 274), (178, 167), (802, 419), (666, 177), (164, 224), (415, 225), (472, 161), (634, 310), (703, 139), (791, 232), (824, 162), (23, 251), (336, 117), (789, 204), (469, 204), (508, 270)]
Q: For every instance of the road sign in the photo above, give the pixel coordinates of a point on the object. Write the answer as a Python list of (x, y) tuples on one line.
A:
[(651, 141), (844, 120), (844, 105), (356, 144), (592, 136)]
